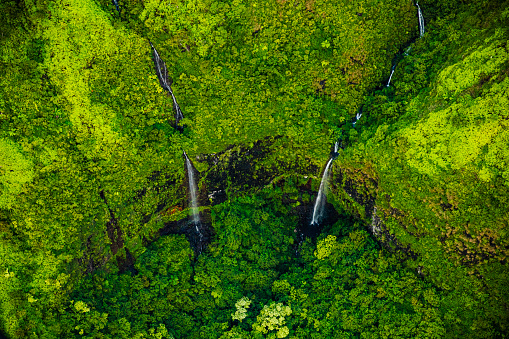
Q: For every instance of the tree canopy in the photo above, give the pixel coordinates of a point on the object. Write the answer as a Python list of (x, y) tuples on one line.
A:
[(94, 239)]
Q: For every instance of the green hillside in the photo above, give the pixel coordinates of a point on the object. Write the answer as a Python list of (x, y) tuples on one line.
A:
[(97, 238)]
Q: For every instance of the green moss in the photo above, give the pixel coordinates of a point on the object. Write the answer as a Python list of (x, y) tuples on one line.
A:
[(87, 146)]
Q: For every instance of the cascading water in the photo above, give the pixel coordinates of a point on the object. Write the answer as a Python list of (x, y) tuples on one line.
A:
[(115, 2), (421, 33), (321, 198), (357, 117), (392, 72), (178, 116), (195, 214), (421, 20), (165, 82), (337, 145), (162, 72)]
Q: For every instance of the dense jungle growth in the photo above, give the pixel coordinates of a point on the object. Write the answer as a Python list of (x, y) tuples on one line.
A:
[(96, 234)]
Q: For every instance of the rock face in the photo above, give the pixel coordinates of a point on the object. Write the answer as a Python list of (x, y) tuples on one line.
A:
[(357, 188), (187, 228), (117, 242), (236, 170), (359, 192), (376, 223), (432, 228)]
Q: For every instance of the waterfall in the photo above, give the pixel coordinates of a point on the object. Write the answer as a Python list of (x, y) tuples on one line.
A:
[(421, 20), (357, 117), (178, 116), (115, 2), (194, 200), (321, 198), (392, 72), (165, 82), (375, 223), (162, 72), (337, 145)]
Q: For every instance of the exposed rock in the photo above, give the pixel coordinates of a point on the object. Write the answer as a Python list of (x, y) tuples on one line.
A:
[(364, 182), (117, 242), (186, 227), (235, 169), (352, 188), (376, 223)]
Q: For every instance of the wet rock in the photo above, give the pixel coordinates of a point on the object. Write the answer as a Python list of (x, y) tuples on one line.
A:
[(235, 169), (188, 228), (373, 215)]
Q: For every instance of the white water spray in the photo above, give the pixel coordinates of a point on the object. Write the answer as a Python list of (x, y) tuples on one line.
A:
[(321, 198), (357, 117), (390, 77), (162, 74), (421, 20), (194, 201), (115, 2), (179, 116)]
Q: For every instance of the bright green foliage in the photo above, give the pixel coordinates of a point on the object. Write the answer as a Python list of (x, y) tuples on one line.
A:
[(272, 318), (435, 143), (483, 62), (119, 305), (15, 171), (459, 134), (91, 169), (360, 291), (242, 305), (325, 247), (244, 56)]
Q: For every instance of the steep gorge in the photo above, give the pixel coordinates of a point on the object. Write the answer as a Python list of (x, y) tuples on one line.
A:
[(92, 169)]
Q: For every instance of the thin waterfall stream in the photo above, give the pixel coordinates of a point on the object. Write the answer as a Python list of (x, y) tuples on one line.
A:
[(421, 20), (357, 117), (178, 115), (195, 213), (421, 33), (115, 2), (321, 198), (392, 72), (166, 82), (311, 229)]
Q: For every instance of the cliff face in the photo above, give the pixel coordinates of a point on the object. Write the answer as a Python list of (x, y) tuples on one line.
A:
[(430, 179), (94, 193)]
